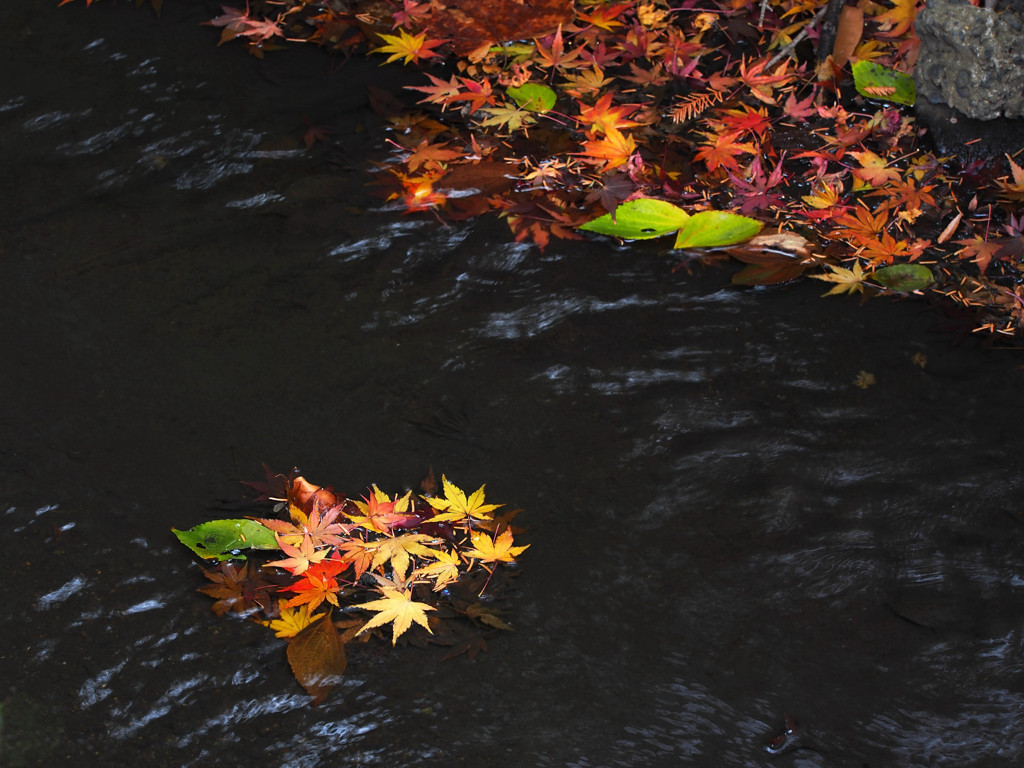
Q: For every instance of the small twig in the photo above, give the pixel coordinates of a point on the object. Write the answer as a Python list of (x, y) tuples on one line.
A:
[(788, 50)]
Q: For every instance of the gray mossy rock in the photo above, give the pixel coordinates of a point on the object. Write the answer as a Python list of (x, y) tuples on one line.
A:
[(972, 59)]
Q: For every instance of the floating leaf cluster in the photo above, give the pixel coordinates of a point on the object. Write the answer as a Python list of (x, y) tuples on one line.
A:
[(336, 570), (553, 113)]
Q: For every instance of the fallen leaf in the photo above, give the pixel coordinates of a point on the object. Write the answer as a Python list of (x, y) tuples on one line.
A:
[(474, 26), (399, 608), (317, 658)]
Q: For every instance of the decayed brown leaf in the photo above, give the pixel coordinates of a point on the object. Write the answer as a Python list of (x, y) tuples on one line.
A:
[(317, 658)]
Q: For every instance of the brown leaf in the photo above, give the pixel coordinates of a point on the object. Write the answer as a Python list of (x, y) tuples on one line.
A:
[(317, 658), (769, 273), (851, 28), (473, 25)]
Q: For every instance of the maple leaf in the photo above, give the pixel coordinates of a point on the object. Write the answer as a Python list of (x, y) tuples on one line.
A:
[(1012, 191), (606, 16), (495, 550), (979, 249), (800, 109), (236, 23), (359, 553), (456, 506), (440, 92), (478, 94), (409, 48), (899, 19), (905, 194), (317, 584), (586, 82), (611, 151), (721, 151), (262, 30), (380, 513), (603, 117), (846, 280), (513, 118), (862, 227), (292, 621), (754, 192), (886, 249), (398, 607), (300, 557), (761, 85), (233, 21), (397, 551), (321, 529), (747, 119), (824, 196), (874, 171), (412, 14), (235, 588), (431, 156), (443, 571), (554, 56)]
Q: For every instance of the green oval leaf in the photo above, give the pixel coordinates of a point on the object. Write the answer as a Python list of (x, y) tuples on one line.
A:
[(639, 219), (904, 277), (222, 539), (711, 229), (874, 81), (533, 96)]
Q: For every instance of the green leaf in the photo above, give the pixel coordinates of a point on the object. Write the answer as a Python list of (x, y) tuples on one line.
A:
[(868, 76), (533, 96), (222, 539), (639, 219), (711, 229), (904, 277)]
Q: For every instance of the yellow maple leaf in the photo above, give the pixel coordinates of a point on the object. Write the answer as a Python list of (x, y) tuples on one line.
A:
[(456, 506), (292, 621), (397, 607), (495, 550), (443, 571), (846, 280), (409, 48), (398, 549)]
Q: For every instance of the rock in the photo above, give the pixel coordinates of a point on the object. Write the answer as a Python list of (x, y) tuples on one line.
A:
[(972, 59)]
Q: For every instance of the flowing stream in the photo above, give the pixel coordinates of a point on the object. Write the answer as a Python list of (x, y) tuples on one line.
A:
[(725, 527)]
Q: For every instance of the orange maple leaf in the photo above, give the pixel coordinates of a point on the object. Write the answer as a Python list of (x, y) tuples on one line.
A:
[(721, 151), (899, 19), (606, 16), (299, 558), (431, 156), (979, 249), (611, 151), (317, 584), (603, 117)]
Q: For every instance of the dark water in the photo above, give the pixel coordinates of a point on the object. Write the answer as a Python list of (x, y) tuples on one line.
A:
[(725, 528)]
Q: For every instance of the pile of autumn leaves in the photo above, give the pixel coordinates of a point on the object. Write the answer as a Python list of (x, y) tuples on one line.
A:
[(552, 113), (422, 560)]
